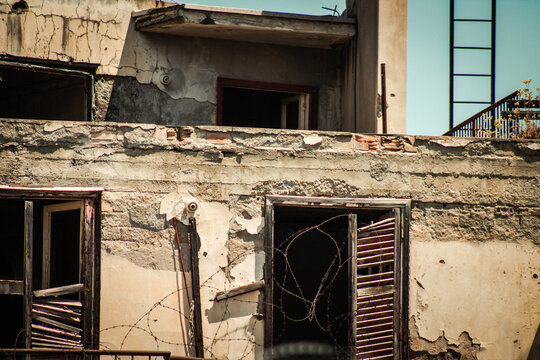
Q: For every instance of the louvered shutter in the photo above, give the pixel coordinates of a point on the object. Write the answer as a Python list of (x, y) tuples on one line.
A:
[(377, 293), (56, 323)]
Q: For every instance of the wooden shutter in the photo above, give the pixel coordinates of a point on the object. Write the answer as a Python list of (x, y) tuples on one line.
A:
[(57, 311), (377, 277)]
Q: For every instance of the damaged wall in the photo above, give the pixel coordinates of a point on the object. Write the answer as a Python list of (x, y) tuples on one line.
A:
[(130, 63), (474, 236)]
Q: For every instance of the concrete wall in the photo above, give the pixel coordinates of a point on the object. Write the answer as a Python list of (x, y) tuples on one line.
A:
[(474, 236), (393, 53), (130, 63)]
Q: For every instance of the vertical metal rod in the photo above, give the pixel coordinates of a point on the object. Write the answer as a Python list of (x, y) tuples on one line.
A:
[(180, 255), (451, 87), (196, 291), (383, 100), (493, 43), (28, 250)]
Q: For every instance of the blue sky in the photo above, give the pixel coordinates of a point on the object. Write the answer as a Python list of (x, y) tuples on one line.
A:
[(517, 51), (517, 57)]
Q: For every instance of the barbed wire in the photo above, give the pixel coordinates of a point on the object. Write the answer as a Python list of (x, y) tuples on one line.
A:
[(318, 307)]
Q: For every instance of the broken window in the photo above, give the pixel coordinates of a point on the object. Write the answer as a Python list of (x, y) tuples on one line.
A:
[(32, 91), (266, 105), (338, 274), (48, 276)]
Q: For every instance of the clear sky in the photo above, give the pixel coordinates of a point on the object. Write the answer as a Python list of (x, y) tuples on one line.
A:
[(517, 51), (517, 57)]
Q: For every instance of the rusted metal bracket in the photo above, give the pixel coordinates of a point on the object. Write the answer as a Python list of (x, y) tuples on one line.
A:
[(195, 244), (222, 295)]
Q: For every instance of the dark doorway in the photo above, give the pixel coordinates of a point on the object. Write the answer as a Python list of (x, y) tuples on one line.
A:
[(311, 265), (246, 103)]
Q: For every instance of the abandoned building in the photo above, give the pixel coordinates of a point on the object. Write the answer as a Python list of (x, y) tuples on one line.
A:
[(206, 182)]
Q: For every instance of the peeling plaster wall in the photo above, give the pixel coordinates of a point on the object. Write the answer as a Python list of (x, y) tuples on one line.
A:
[(130, 63), (474, 237)]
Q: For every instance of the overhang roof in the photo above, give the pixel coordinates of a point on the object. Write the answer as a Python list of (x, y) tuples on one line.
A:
[(324, 32)]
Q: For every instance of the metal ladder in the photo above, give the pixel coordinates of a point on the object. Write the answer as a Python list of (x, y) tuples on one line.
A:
[(461, 47)]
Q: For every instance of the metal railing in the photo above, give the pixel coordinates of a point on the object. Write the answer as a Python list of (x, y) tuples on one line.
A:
[(80, 354), (484, 123)]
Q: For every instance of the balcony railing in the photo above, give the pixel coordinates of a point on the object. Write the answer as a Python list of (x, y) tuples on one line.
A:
[(83, 354), (484, 123)]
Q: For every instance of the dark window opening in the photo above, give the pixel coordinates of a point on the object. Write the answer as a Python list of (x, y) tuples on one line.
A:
[(266, 105), (38, 92), (49, 280), (330, 267)]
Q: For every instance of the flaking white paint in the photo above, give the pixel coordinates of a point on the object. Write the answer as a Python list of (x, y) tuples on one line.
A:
[(483, 288)]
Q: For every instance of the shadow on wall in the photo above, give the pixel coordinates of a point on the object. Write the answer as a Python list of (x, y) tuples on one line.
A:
[(534, 353), (133, 97)]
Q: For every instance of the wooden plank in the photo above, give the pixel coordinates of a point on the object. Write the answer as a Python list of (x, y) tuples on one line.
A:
[(195, 244), (352, 254), (269, 276), (367, 336), (257, 285), (366, 265), (381, 250), (374, 245), (57, 341), (58, 324), (59, 332), (74, 304), (86, 270), (73, 320), (11, 287), (55, 337), (378, 224), (61, 290), (383, 275), (28, 251), (376, 283), (57, 309)]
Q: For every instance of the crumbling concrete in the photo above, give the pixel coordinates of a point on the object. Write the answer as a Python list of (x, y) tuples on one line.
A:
[(474, 227)]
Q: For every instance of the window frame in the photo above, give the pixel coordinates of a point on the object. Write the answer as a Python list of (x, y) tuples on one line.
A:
[(85, 71), (91, 240), (402, 208), (311, 91)]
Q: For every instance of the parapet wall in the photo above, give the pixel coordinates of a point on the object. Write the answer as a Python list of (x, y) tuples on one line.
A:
[(474, 227)]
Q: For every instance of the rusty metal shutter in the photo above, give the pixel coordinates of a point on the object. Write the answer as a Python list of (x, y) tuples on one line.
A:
[(377, 274)]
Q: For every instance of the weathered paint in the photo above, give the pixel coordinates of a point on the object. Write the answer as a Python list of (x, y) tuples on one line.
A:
[(474, 238)]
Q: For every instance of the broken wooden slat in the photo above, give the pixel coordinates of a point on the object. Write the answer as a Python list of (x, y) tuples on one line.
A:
[(222, 295), (57, 309), (74, 304), (61, 290), (56, 337), (58, 324), (11, 287), (378, 224), (36, 312), (41, 328), (59, 341)]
